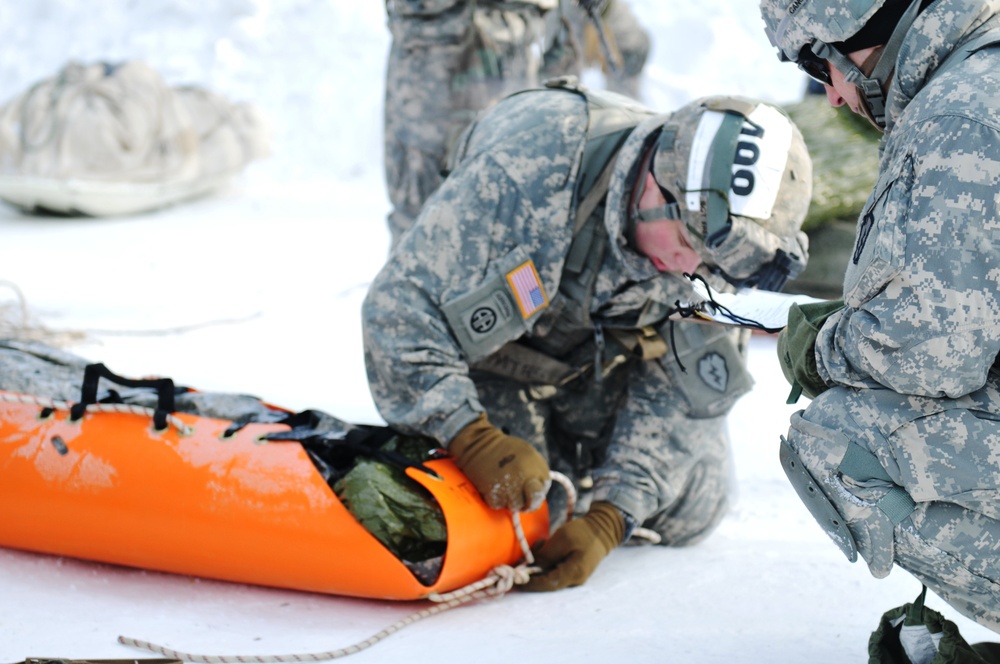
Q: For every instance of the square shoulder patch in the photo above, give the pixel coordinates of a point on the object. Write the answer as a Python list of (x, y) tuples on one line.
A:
[(527, 289)]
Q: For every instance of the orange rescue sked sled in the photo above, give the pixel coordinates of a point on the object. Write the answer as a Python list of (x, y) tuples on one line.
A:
[(175, 493)]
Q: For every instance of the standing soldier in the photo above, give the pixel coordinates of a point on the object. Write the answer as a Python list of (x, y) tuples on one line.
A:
[(898, 455), (449, 59), (536, 285)]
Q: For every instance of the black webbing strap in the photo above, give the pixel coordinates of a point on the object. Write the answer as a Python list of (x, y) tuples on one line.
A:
[(93, 374), (340, 447)]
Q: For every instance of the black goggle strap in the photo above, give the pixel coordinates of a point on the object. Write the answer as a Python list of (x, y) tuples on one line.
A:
[(671, 209), (640, 185)]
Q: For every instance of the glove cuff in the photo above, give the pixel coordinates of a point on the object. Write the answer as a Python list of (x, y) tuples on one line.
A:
[(469, 435), (608, 523)]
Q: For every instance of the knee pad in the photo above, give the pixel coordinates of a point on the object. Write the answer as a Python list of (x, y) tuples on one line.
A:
[(846, 490)]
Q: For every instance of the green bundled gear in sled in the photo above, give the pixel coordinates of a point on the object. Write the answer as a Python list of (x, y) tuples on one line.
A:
[(395, 509)]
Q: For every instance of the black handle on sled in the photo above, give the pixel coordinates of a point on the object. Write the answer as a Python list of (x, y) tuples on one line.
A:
[(93, 374)]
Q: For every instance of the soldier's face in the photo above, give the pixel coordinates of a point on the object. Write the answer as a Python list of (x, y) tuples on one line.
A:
[(840, 92), (663, 241)]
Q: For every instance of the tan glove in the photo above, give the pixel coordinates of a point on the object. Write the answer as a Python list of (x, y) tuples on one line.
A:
[(572, 554), (506, 471)]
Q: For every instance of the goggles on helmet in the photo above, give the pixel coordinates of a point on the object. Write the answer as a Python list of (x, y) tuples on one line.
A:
[(814, 66), (746, 243)]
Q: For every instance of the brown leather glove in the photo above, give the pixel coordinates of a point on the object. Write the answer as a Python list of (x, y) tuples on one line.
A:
[(506, 471), (572, 554)]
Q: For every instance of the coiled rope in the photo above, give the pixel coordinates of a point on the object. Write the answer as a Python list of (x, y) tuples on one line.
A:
[(497, 583)]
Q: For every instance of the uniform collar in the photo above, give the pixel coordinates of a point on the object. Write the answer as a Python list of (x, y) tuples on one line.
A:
[(934, 35)]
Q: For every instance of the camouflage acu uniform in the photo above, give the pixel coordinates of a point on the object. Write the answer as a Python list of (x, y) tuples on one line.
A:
[(448, 60), (913, 357), (447, 336)]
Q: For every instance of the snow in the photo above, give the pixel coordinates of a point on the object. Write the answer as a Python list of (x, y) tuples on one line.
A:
[(257, 290)]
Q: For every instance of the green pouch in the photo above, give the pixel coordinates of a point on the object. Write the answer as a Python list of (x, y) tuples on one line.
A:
[(914, 634), (706, 366), (797, 347)]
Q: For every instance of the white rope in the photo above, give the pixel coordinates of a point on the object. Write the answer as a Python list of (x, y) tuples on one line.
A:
[(305, 657), (570, 488), (20, 324), (54, 404), (497, 583), (651, 536)]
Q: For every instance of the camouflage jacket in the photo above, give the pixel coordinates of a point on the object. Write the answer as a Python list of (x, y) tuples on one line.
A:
[(923, 288), (447, 296)]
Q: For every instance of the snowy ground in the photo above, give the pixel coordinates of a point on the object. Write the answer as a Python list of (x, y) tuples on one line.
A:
[(768, 586), (257, 290)]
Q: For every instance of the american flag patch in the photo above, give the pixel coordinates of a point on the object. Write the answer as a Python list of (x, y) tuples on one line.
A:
[(527, 288)]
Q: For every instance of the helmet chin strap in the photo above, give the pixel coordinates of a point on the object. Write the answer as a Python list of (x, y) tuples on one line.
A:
[(669, 209), (873, 76), (867, 67)]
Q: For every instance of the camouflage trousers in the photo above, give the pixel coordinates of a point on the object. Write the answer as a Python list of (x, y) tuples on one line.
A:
[(444, 68), (944, 454), (591, 433)]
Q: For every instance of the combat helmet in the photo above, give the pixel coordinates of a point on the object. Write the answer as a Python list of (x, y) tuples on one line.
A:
[(737, 172), (811, 32)]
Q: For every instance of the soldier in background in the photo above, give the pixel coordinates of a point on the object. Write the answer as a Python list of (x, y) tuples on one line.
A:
[(898, 455), (451, 59), (576, 44), (536, 287)]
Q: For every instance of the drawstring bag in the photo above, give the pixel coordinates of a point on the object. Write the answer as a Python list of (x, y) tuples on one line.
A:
[(107, 139), (915, 634)]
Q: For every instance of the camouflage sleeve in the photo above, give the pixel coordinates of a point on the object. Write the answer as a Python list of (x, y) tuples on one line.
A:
[(503, 213), (922, 288), (417, 367), (660, 458)]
